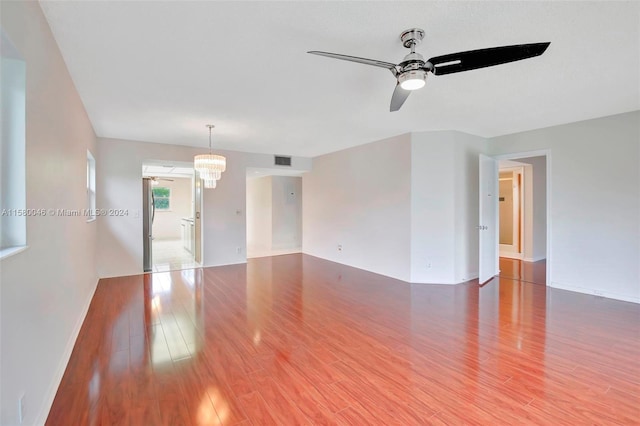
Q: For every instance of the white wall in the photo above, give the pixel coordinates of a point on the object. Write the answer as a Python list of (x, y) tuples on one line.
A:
[(594, 202), (287, 212), (405, 207), (120, 186), (167, 224), (467, 239), (360, 198), (444, 206), (259, 210), (433, 184), (537, 198), (46, 288)]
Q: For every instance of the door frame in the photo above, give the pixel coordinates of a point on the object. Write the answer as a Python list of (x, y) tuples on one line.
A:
[(518, 212), (538, 153), (198, 207)]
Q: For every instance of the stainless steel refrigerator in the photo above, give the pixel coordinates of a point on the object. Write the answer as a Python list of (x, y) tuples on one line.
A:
[(148, 213)]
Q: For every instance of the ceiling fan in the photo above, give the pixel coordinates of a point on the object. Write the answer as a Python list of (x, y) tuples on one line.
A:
[(155, 180), (411, 72)]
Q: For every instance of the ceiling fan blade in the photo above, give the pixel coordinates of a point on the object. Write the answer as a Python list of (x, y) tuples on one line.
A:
[(399, 96), (374, 62), (474, 59)]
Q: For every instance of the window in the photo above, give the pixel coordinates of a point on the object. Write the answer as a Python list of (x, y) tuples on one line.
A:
[(162, 198), (91, 187), (13, 200)]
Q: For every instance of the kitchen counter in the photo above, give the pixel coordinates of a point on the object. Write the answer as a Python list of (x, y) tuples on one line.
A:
[(188, 233)]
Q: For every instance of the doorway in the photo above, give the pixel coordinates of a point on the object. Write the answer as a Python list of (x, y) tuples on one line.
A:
[(171, 231), (524, 178), (521, 221), (274, 212), (511, 208)]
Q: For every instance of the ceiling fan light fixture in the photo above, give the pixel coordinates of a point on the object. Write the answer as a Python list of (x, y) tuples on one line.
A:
[(413, 80)]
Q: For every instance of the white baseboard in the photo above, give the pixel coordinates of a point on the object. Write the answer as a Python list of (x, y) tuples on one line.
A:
[(62, 366), (511, 255), (470, 276), (599, 293), (273, 252), (341, 262)]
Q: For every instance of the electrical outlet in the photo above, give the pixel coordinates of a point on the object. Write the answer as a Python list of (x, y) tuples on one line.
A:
[(339, 247), (21, 409), (238, 250), (428, 263)]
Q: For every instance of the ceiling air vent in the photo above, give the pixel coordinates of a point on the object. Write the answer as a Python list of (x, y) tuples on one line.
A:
[(282, 160)]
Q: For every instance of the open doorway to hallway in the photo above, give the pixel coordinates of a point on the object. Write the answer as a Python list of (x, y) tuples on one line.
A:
[(522, 212), (170, 225), (274, 212)]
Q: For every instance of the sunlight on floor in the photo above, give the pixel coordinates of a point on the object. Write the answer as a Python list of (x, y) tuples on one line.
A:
[(170, 255)]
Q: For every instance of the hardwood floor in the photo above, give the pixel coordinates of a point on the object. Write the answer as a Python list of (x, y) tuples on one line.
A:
[(298, 340), (533, 272)]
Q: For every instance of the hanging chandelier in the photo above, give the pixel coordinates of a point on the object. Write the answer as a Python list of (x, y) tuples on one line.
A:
[(210, 166), (209, 183)]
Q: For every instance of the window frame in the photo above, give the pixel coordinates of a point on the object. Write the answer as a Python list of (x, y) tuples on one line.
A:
[(13, 192), (91, 187)]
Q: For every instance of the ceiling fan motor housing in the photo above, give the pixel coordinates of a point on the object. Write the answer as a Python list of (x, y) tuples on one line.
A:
[(412, 61), (411, 37)]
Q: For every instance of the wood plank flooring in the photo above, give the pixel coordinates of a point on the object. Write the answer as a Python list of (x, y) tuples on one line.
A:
[(533, 272), (296, 340)]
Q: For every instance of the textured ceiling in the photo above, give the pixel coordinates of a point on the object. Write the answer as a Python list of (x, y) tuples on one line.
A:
[(160, 71)]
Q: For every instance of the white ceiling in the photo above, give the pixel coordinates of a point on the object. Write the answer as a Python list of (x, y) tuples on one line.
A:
[(160, 71), (167, 170)]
